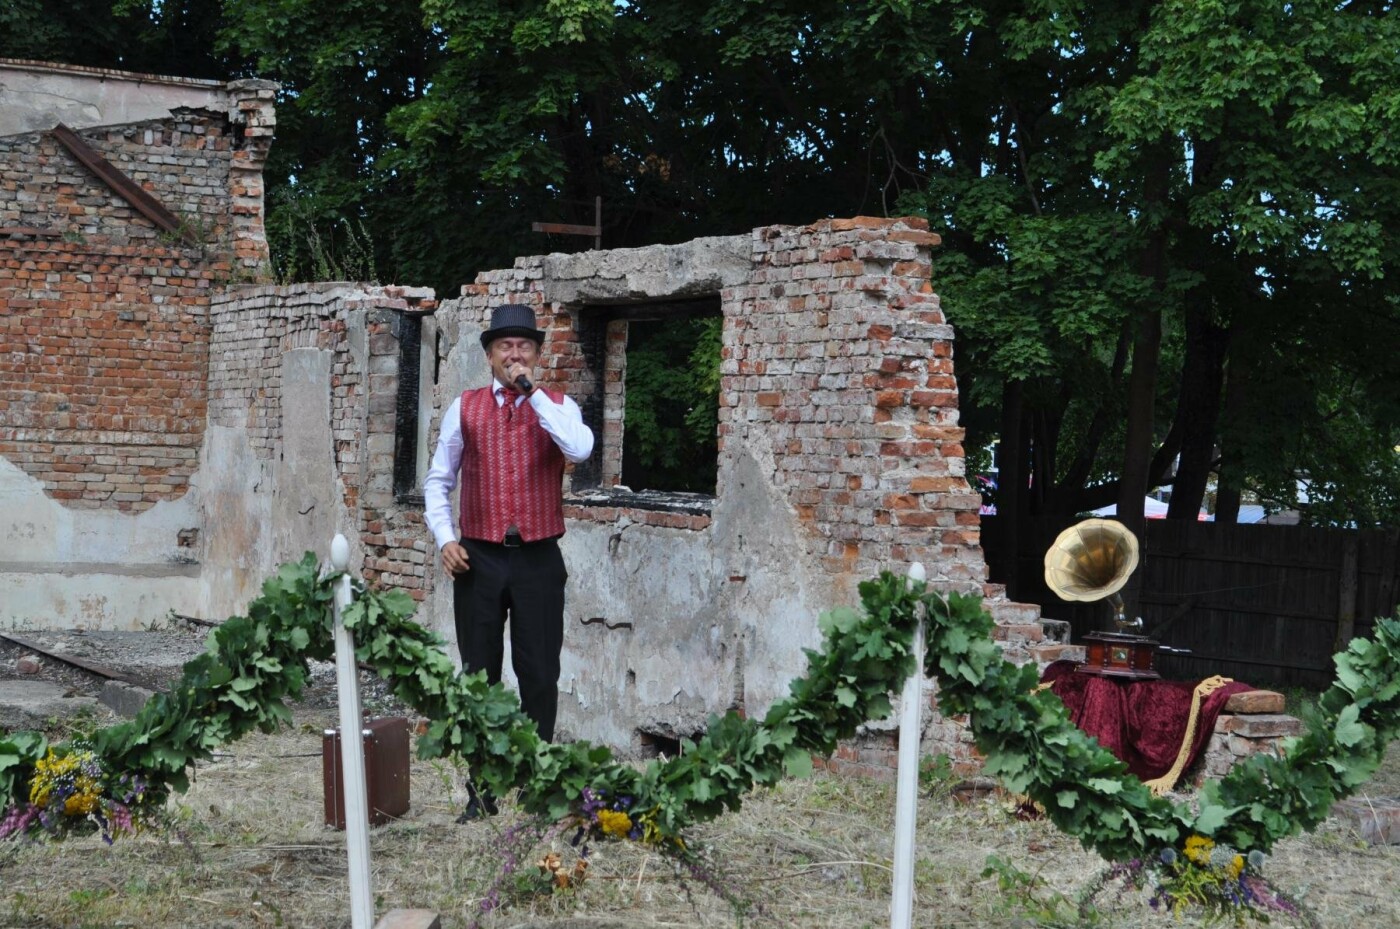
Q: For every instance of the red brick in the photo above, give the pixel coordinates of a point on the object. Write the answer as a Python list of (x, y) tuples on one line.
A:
[(1250, 702), (889, 399)]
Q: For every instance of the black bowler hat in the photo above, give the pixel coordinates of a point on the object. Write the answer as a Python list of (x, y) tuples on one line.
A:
[(511, 319)]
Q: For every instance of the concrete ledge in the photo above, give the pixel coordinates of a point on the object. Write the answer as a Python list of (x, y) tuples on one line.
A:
[(409, 919), (1378, 820), (123, 698), (31, 704)]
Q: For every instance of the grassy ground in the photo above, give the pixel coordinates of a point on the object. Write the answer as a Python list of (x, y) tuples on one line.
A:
[(247, 848)]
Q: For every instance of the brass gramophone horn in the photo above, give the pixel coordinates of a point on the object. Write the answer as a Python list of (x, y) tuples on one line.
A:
[(1092, 560)]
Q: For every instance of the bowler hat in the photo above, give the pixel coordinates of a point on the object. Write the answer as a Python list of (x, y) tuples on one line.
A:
[(511, 319)]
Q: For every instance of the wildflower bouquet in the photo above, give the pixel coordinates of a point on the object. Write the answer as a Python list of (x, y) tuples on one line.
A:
[(606, 815), (1218, 881), (71, 790), (1214, 880)]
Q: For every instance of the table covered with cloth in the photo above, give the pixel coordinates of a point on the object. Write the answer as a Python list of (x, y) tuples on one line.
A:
[(1158, 727)]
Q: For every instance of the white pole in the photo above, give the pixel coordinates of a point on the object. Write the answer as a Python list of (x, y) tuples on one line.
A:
[(906, 804), (352, 746)]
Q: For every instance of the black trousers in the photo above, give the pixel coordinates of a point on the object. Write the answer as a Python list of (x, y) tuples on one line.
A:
[(525, 583)]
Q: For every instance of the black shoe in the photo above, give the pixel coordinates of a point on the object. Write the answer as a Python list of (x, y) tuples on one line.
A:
[(478, 807)]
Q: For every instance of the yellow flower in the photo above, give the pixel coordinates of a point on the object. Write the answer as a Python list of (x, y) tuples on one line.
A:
[(80, 804), (1198, 850), (1235, 867), (53, 772), (614, 823)]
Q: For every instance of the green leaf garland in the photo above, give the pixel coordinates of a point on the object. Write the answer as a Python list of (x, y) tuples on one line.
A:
[(256, 664)]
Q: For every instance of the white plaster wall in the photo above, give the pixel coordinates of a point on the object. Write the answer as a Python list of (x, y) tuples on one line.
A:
[(719, 617), (674, 663), (782, 592), (38, 97), (260, 514), (96, 569), (308, 507), (463, 367), (236, 510)]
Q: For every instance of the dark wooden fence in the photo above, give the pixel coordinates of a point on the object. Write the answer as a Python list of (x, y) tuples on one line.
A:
[(1264, 604)]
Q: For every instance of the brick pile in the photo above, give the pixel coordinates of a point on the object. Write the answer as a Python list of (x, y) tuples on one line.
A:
[(104, 339), (1251, 722)]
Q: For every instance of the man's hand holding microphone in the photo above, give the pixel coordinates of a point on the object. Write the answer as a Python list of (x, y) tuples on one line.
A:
[(520, 378)]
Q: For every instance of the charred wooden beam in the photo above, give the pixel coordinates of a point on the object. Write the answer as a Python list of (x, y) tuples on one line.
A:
[(123, 186)]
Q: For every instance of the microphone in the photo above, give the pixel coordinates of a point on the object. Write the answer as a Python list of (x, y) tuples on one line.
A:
[(523, 383)]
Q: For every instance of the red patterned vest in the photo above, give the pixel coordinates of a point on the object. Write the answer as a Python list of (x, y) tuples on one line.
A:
[(512, 472)]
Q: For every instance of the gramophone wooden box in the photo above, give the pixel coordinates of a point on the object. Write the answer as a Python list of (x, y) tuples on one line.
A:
[(1113, 654)]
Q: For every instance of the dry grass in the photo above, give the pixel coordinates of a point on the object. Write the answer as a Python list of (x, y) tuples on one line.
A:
[(248, 849)]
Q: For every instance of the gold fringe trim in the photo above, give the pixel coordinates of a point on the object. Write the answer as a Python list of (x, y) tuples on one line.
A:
[(1164, 784)]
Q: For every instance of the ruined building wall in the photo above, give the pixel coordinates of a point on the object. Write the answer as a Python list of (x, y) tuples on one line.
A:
[(303, 415), (172, 432), (104, 343), (840, 456)]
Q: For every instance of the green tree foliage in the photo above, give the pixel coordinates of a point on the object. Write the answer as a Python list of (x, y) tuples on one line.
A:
[(1169, 225), (153, 36), (1167, 239), (672, 405)]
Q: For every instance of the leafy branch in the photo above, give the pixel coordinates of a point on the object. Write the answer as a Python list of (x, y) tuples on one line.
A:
[(257, 663)]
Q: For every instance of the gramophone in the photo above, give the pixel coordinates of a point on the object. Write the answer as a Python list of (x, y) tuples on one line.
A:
[(1091, 561)]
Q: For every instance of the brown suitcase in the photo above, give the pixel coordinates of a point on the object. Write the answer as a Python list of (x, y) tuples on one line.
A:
[(386, 771)]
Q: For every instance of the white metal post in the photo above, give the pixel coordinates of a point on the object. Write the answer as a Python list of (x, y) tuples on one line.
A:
[(906, 804), (352, 746)]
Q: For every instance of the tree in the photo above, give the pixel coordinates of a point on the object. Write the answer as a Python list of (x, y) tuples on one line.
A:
[(1218, 182), (176, 37), (1169, 226)]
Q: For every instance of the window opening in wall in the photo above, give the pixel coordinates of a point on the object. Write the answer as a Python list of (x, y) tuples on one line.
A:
[(671, 403), (410, 425)]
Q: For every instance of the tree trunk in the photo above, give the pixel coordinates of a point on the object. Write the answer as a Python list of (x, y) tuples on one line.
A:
[(1142, 395), (1203, 368), (1228, 487), (1142, 381), (1198, 408)]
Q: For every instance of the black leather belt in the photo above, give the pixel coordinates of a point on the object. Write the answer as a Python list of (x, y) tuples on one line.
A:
[(512, 540)]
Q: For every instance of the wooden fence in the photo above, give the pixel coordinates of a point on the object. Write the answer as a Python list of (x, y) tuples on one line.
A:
[(1264, 604)]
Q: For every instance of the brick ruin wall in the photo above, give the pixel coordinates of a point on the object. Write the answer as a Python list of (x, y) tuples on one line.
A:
[(254, 330), (837, 374), (122, 347), (836, 355), (104, 340)]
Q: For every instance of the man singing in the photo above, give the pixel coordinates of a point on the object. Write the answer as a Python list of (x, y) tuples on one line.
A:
[(509, 442)]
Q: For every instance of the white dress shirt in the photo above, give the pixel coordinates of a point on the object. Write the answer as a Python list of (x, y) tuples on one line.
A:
[(563, 422)]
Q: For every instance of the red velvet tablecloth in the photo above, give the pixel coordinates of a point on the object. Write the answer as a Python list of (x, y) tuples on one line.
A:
[(1144, 723)]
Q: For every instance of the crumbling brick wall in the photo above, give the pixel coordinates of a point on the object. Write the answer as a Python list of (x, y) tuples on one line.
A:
[(840, 456), (837, 354), (254, 329), (841, 357), (104, 339)]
